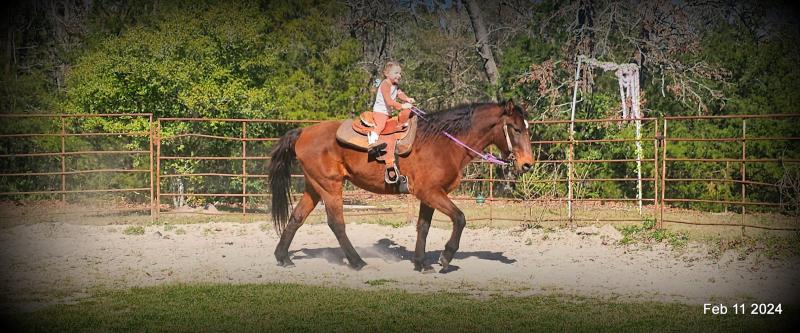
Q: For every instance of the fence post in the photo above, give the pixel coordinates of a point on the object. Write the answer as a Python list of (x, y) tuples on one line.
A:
[(63, 162), (158, 169), (744, 172), (664, 138), (244, 170), (570, 166), (491, 192), (659, 223), (152, 192), (639, 153)]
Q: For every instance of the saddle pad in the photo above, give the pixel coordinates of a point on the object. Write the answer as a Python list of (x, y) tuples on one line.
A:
[(350, 138)]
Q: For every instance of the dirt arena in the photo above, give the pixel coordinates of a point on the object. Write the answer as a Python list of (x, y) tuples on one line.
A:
[(50, 263)]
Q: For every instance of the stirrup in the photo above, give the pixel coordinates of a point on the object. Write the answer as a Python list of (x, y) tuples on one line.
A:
[(390, 180), (376, 151)]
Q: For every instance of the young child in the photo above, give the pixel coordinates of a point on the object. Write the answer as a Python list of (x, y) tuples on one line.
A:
[(386, 97)]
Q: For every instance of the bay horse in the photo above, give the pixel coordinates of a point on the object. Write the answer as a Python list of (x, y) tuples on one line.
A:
[(433, 168)]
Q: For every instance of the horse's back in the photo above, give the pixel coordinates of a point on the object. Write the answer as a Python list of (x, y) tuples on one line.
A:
[(317, 140)]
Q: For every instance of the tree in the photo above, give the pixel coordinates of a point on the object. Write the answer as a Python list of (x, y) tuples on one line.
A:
[(482, 41)]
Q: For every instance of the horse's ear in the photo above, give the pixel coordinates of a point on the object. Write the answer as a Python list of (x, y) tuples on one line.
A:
[(509, 107)]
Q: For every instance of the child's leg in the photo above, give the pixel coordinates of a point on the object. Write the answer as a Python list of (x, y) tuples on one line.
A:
[(380, 123)]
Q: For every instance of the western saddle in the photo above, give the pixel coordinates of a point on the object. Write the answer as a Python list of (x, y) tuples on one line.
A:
[(396, 139)]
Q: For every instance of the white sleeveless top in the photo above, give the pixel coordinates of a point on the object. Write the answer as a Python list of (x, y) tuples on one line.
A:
[(380, 104)]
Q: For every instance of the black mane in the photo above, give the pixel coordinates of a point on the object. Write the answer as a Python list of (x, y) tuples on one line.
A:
[(455, 120)]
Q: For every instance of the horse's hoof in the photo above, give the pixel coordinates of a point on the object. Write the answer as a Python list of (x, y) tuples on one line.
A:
[(424, 269), (358, 266), (286, 263), (443, 262)]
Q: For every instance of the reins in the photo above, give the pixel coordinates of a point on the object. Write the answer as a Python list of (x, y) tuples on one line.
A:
[(488, 156)]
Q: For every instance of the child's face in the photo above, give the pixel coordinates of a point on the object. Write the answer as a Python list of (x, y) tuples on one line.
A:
[(394, 74)]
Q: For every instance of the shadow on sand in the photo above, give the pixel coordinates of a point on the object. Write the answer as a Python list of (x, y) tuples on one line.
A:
[(390, 251)]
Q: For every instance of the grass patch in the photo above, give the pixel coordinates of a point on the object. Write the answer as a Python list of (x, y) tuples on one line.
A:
[(646, 233), (380, 282), (180, 231), (134, 230), (296, 308), (394, 223)]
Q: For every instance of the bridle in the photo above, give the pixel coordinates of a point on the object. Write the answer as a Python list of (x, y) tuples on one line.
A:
[(511, 159)]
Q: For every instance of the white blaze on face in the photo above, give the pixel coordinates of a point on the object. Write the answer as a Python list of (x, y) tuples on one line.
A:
[(526, 123)]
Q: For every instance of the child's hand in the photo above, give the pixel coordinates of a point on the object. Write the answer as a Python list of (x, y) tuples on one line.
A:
[(406, 106)]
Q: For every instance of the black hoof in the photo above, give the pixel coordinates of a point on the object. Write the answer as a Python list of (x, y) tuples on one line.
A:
[(443, 262), (424, 269), (358, 266), (287, 263), (284, 261)]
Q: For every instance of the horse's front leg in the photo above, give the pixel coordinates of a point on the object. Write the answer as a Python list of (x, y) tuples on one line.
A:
[(439, 201), (423, 225)]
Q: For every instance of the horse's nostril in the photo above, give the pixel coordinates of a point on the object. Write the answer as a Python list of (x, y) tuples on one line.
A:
[(526, 167)]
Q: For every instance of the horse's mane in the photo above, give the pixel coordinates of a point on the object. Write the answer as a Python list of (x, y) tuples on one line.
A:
[(455, 120)]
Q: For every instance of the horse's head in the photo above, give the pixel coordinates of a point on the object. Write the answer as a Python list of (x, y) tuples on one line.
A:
[(512, 137)]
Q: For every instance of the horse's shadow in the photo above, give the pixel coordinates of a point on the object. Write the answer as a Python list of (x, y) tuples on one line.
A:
[(389, 250)]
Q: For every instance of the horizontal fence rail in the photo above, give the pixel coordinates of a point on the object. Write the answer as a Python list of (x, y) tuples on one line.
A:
[(648, 178), (58, 122)]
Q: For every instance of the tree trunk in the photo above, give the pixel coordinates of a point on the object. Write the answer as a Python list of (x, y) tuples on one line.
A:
[(482, 39)]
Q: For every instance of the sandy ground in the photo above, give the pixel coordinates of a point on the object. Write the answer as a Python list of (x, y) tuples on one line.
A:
[(57, 263)]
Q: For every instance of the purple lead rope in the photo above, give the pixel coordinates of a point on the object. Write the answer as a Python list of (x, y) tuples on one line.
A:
[(488, 156)]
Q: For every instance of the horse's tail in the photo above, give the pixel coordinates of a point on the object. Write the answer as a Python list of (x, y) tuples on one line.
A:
[(279, 178)]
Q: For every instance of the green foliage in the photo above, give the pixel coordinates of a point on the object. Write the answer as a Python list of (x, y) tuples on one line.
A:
[(222, 60)]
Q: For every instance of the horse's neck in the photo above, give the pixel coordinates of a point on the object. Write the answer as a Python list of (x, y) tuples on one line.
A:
[(477, 138)]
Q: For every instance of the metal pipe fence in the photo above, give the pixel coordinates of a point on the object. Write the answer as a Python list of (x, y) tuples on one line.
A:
[(648, 187), (58, 122)]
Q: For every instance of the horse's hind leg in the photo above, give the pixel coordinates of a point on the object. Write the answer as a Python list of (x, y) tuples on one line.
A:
[(304, 207)]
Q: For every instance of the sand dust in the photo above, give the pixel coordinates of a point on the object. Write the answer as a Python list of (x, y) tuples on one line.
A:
[(56, 263)]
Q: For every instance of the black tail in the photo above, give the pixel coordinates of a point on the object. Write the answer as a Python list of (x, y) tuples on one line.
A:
[(280, 181)]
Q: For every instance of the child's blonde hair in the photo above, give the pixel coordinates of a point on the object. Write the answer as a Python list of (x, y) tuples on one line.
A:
[(388, 66)]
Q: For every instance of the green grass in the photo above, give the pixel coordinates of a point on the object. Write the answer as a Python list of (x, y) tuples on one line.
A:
[(380, 282), (295, 308), (134, 230), (646, 233)]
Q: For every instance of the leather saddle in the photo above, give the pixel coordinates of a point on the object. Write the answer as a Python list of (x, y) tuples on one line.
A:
[(353, 132)]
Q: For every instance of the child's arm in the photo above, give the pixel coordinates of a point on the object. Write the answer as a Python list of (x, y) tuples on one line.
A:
[(386, 90), (402, 96)]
